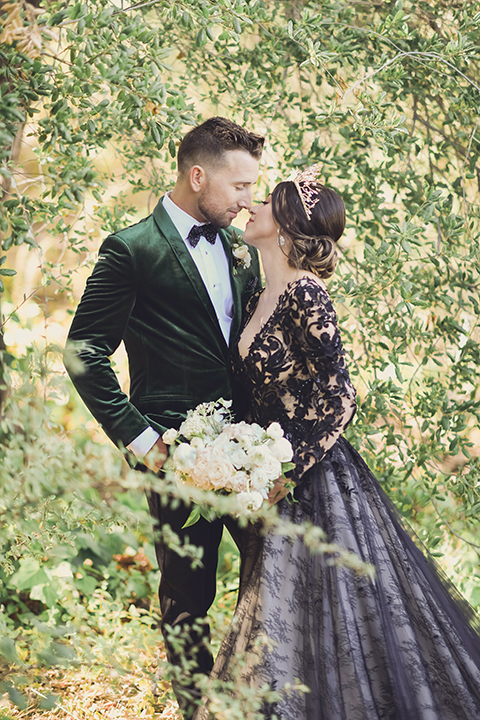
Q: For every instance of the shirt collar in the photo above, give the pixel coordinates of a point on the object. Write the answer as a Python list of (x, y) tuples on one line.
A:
[(182, 220)]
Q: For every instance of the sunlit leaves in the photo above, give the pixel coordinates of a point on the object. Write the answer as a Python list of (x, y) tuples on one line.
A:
[(384, 95)]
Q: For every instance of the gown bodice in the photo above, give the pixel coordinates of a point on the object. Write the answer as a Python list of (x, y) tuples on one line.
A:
[(295, 372)]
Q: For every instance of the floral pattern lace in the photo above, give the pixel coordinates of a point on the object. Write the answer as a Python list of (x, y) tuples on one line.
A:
[(295, 372)]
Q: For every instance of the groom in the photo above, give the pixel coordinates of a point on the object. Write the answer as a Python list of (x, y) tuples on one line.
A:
[(170, 288)]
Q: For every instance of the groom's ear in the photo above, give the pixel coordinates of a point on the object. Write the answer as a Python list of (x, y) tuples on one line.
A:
[(197, 177)]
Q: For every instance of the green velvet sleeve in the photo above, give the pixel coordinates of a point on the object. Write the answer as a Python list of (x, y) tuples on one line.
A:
[(96, 332)]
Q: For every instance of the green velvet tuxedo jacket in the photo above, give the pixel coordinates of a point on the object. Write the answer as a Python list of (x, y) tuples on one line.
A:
[(146, 290)]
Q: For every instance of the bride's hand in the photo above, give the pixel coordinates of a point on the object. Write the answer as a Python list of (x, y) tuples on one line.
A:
[(278, 491)]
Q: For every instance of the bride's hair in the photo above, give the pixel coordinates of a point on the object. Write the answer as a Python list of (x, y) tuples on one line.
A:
[(312, 240)]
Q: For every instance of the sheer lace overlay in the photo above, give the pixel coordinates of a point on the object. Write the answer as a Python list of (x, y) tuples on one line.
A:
[(295, 372), (404, 646)]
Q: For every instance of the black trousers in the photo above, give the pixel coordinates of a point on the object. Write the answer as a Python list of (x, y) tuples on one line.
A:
[(187, 593)]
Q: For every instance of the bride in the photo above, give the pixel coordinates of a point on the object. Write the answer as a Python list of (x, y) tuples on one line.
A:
[(403, 646)]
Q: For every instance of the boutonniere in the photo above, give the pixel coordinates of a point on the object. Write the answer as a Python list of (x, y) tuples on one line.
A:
[(240, 252)]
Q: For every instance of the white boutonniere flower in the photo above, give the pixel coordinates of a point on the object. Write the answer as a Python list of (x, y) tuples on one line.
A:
[(241, 253)]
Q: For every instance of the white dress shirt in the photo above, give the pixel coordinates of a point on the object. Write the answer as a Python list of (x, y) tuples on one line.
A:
[(212, 264)]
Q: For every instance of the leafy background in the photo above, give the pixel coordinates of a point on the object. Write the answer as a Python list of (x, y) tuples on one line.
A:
[(94, 98)]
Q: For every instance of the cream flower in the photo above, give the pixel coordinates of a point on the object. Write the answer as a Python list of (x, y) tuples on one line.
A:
[(274, 431), (169, 436), (281, 450), (198, 443), (238, 456), (184, 457), (200, 474), (262, 481), (242, 254), (249, 501), (194, 425), (260, 457), (220, 470), (240, 481)]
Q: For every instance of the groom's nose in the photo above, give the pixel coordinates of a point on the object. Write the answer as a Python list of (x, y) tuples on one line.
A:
[(245, 200)]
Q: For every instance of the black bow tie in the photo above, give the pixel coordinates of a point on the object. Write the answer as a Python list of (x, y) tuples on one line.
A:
[(209, 232)]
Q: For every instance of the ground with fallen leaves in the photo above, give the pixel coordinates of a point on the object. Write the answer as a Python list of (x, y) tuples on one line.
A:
[(120, 690)]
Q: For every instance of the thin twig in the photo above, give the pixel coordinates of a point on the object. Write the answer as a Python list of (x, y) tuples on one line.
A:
[(413, 53), (58, 705), (463, 167), (450, 527)]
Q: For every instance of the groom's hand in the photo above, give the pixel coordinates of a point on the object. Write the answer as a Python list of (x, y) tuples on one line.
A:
[(156, 456)]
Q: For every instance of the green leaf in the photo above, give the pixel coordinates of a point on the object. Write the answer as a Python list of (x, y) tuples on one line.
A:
[(29, 574), (17, 698), (194, 517), (86, 585), (58, 17), (48, 702), (9, 651)]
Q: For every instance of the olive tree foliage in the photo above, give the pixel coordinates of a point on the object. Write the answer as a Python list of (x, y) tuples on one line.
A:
[(384, 94)]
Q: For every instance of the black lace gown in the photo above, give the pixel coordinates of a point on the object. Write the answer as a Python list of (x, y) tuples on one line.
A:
[(403, 646)]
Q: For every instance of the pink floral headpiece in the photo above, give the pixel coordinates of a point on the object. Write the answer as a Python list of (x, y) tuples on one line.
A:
[(308, 186)]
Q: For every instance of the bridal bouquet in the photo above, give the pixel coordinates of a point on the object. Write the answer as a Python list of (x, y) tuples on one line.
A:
[(210, 452)]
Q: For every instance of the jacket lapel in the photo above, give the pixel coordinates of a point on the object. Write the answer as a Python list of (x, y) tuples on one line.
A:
[(236, 289), (169, 231)]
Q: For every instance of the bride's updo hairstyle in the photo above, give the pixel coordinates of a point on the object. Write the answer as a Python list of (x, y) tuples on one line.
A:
[(312, 239)]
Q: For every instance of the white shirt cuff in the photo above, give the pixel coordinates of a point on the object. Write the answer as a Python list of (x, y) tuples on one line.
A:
[(143, 442)]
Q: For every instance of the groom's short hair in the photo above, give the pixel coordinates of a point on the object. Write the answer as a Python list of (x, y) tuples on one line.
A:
[(207, 143)]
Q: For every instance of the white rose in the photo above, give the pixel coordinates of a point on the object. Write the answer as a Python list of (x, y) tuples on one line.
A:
[(262, 481), (239, 481), (199, 474), (281, 450), (184, 457), (256, 431), (169, 436), (237, 456), (230, 431), (222, 442), (259, 456), (219, 469), (242, 253), (234, 431), (249, 501), (181, 482), (255, 455), (197, 443), (274, 431)]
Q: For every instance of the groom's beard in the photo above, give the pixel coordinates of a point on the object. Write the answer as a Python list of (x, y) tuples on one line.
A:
[(207, 205), (214, 215)]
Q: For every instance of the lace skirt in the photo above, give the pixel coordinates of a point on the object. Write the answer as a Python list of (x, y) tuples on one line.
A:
[(403, 646)]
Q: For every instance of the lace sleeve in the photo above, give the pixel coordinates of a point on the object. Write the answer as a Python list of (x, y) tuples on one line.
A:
[(325, 401)]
